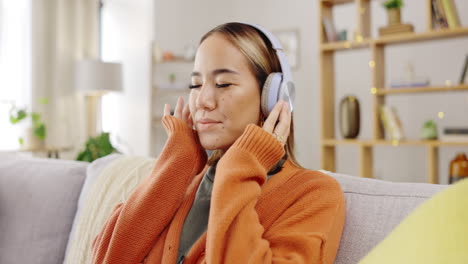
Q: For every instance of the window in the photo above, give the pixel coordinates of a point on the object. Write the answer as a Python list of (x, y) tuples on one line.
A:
[(15, 65)]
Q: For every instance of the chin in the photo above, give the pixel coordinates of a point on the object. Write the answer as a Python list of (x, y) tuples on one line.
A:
[(209, 142)]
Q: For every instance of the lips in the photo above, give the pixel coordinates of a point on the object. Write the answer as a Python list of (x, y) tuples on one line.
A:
[(204, 124)]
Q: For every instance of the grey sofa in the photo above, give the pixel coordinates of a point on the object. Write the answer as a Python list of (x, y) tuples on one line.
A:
[(38, 203)]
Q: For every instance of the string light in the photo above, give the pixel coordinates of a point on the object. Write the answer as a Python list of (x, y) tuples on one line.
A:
[(372, 64), (395, 143), (373, 90), (441, 115)]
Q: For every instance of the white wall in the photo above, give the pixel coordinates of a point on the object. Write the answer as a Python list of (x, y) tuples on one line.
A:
[(178, 23)]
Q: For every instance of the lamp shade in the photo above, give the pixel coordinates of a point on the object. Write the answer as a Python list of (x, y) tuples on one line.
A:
[(97, 77)]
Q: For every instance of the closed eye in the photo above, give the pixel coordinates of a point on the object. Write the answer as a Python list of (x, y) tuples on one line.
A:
[(224, 85), (194, 86)]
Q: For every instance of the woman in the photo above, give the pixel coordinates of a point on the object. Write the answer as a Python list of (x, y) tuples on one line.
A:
[(250, 202)]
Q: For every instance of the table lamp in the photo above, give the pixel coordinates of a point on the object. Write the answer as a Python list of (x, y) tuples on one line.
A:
[(95, 78)]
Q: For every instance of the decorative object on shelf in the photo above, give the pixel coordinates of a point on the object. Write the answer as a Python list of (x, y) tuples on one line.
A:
[(455, 134), (157, 53), (97, 147), (189, 52), (439, 19), (95, 78), (343, 35), (429, 130), (33, 136), (464, 70), (172, 77), (394, 19), (410, 79), (391, 123), (329, 29), (168, 56), (458, 168), (450, 12), (289, 40), (349, 117), (394, 11)]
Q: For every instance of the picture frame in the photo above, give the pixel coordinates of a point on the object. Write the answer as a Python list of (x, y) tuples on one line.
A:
[(289, 39)]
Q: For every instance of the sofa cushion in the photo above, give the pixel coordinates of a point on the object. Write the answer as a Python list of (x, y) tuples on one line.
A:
[(373, 209), (38, 200), (436, 232)]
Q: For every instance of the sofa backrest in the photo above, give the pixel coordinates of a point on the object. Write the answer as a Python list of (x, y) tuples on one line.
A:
[(38, 200), (373, 209)]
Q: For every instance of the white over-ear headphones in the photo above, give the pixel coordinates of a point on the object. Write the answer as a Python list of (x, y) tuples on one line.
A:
[(278, 85)]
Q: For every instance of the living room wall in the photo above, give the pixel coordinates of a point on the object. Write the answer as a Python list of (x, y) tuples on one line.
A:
[(178, 23)]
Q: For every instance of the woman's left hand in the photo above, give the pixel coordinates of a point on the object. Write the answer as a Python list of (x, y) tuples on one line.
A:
[(279, 122)]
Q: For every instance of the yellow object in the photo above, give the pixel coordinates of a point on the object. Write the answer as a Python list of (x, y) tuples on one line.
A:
[(436, 232)]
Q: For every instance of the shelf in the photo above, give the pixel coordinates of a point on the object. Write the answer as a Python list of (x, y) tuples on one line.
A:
[(395, 39), (428, 89), (337, 2), (424, 36), (345, 45), (434, 143)]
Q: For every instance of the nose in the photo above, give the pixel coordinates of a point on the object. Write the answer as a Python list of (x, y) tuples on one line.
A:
[(206, 98)]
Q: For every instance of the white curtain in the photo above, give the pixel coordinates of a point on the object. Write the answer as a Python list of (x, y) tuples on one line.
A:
[(15, 65), (63, 32)]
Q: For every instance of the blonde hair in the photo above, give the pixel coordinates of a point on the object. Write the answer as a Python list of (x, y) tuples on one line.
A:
[(262, 61)]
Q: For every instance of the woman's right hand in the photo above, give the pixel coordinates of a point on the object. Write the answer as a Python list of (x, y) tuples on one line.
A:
[(182, 112)]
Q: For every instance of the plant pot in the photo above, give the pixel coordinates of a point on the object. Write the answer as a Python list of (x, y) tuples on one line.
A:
[(394, 16), (30, 140)]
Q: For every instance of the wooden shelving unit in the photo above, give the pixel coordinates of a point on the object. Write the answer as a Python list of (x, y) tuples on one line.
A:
[(377, 64)]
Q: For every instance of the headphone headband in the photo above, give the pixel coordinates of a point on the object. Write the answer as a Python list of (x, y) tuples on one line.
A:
[(279, 51)]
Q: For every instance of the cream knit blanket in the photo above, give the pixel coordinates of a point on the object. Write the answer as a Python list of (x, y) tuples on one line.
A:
[(112, 186)]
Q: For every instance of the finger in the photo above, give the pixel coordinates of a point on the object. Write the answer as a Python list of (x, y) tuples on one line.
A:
[(270, 122), (186, 112), (167, 109), (282, 129), (179, 107)]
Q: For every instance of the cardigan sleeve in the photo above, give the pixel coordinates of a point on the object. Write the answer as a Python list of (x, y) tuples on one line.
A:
[(308, 231), (134, 225)]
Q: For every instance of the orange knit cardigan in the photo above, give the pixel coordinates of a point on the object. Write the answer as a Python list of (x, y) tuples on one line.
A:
[(297, 216)]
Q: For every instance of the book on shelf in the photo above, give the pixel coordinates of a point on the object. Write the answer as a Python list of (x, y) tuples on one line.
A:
[(455, 134), (438, 15), (451, 13), (396, 29), (329, 28), (391, 123), (464, 70), (408, 84)]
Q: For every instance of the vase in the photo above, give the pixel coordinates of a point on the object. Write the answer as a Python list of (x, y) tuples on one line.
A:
[(458, 168), (394, 16), (349, 117)]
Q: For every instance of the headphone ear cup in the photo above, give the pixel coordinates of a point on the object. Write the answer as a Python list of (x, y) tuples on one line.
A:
[(270, 93)]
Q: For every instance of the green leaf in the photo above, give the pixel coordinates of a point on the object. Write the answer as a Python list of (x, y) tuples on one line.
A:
[(393, 4), (21, 140), (36, 117), (17, 116), (40, 131), (43, 100), (96, 147)]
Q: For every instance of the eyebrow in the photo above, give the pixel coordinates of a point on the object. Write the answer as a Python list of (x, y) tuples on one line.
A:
[(216, 72)]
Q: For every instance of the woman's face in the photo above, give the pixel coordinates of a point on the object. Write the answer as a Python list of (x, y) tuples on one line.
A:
[(225, 96)]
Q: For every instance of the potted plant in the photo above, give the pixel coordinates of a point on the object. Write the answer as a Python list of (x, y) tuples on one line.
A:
[(394, 11), (34, 134), (96, 147)]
